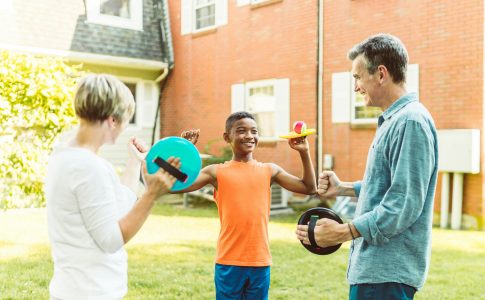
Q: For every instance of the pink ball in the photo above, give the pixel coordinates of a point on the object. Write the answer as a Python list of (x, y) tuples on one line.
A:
[(299, 127)]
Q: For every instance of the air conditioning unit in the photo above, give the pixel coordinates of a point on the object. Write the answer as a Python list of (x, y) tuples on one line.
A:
[(279, 200)]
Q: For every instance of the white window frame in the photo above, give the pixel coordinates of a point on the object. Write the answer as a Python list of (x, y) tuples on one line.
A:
[(144, 118), (281, 93), (412, 84), (353, 107), (93, 15), (263, 84), (194, 16), (138, 100), (188, 16)]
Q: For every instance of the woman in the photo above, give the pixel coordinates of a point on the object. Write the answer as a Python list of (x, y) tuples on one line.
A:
[(91, 213)]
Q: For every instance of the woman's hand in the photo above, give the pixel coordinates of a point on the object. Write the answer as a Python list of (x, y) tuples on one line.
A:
[(160, 182)]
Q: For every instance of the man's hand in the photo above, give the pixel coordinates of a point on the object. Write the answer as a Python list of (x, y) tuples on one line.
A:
[(191, 135), (327, 233)]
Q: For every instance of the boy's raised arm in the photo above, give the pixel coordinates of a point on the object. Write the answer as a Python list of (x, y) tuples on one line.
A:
[(304, 185), (206, 176)]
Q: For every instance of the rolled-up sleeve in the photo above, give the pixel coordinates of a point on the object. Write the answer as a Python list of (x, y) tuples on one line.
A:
[(97, 204), (411, 163), (357, 185)]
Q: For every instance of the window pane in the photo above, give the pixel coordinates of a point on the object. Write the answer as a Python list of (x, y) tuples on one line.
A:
[(117, 8), (203, 2), (363, 112), (132, 87), (205, 16), (262, 104)]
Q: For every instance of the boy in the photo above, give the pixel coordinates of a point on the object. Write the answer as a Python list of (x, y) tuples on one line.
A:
[(242, 192)]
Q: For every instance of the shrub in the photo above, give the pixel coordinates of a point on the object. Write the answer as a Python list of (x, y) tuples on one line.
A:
[(35, 106)]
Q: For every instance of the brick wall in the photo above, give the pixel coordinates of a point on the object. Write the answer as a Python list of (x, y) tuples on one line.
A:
[(445, 38), (280, 41), (273, 41)]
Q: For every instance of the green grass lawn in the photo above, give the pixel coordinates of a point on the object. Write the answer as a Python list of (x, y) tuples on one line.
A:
[(172, 258)]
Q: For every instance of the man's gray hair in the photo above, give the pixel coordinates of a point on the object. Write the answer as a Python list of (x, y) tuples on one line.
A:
[(383, 49)]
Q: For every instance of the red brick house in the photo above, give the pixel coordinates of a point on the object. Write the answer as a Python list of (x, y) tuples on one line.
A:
[(285, 60)]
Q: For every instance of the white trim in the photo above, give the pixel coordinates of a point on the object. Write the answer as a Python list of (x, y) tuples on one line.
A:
[(138, 103), (243, 2), (90, 58), (142, 115), (188, 16), (135, 22), (194, 17)]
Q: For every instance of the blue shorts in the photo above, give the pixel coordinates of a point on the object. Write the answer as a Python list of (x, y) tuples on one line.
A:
[(381, 291), (235, 282)]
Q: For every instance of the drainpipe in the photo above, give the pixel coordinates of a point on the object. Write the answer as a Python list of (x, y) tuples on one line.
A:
[(320, 89), (167, 47)]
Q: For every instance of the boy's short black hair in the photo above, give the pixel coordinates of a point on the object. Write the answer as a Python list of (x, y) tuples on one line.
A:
[(235, 117)]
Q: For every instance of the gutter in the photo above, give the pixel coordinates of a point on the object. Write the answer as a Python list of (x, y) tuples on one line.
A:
[(91, 58)]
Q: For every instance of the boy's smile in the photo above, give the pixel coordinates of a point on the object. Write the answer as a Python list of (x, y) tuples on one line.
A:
[(243, 136)]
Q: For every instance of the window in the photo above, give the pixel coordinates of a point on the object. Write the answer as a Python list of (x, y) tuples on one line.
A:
[(132, 87), (261, 103), (362, 114), (268, 101), (146, 95), (118, 13), (203, 15), (348, 106)]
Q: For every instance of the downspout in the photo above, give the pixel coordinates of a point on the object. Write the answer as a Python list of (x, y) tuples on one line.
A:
[(167, 47), (320, 90)]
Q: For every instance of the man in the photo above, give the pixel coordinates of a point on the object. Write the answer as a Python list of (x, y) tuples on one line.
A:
[(391, 230)]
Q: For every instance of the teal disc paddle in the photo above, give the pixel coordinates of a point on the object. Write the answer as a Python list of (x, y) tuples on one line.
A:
[(176, 147)]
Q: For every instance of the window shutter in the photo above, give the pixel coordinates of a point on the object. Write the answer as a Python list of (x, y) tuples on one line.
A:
[(282, 95), (149, 104), (237, 97), (221, 12), (412, 78), (341, 97), (186, 16)]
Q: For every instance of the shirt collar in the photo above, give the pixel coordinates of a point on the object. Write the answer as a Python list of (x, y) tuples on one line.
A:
[(396, 106)]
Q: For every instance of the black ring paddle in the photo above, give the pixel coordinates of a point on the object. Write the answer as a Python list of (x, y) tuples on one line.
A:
[(310, 218)]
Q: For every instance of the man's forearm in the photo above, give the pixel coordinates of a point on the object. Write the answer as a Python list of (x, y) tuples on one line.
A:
[(346, 189)]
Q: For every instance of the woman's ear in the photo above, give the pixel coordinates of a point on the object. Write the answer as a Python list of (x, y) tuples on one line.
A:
[(111, 122)]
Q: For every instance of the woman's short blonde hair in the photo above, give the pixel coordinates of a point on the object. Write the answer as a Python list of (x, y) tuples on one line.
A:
[(100, 96)]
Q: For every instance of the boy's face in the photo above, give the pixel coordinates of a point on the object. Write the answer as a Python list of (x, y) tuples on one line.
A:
[(243, 136)]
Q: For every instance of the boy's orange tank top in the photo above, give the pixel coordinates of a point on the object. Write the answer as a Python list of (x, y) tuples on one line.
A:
[(243, 199)]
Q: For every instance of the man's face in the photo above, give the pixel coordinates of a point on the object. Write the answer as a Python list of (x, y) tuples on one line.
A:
[(243, 136), (365, 83)]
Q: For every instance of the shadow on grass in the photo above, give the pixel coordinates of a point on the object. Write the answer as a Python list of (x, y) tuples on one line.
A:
[(209, 210)]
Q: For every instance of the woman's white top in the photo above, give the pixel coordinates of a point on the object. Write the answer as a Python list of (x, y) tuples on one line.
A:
[(85, 201)]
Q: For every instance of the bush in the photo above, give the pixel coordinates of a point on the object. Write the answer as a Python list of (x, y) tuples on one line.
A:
[(35, 106)]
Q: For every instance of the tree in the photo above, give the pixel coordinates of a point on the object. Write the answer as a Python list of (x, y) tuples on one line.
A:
[(35, 106)]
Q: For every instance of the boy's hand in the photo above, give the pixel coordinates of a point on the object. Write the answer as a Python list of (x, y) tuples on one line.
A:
[(191, 135), (137, 148), (328, 184), (300, 144)]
